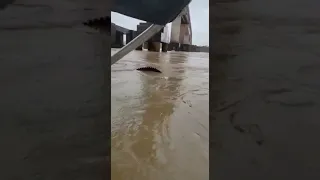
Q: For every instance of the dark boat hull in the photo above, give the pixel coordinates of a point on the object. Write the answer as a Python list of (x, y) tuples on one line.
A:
[(155, 11)]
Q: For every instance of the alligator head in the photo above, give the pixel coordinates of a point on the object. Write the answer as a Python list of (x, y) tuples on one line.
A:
[(102, 24)]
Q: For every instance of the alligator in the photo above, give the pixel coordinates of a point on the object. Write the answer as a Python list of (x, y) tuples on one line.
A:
[(102, 24), (149, 69)]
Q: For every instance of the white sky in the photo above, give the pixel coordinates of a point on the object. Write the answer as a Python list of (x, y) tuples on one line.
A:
[(199, 12)]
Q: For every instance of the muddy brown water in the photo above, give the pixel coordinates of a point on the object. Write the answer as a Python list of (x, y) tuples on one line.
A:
[(160, 122)]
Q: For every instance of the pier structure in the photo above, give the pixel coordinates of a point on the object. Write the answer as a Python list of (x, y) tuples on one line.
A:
[(176, 36), (181, 32)]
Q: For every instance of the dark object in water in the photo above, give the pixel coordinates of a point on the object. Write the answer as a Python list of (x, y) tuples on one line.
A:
[(150, 69), (102, 24)]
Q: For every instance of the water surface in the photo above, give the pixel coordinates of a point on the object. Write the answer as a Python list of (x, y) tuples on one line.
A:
[(160, 122)]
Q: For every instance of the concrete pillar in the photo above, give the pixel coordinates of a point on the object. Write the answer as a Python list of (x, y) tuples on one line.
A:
[(145, 45), (164, 47), (150, 46), (157, 46), (154, 46), (175, 29), (119, 38), (129, 36), (118, 43), (183, 32)]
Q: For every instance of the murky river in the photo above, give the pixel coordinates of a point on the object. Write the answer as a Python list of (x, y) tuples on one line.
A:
[(160, 122)]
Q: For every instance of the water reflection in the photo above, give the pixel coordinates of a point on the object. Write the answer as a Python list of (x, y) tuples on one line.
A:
[(142, 144)]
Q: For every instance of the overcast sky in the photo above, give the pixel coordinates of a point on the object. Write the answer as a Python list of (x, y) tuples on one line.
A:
[(199, 12)]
